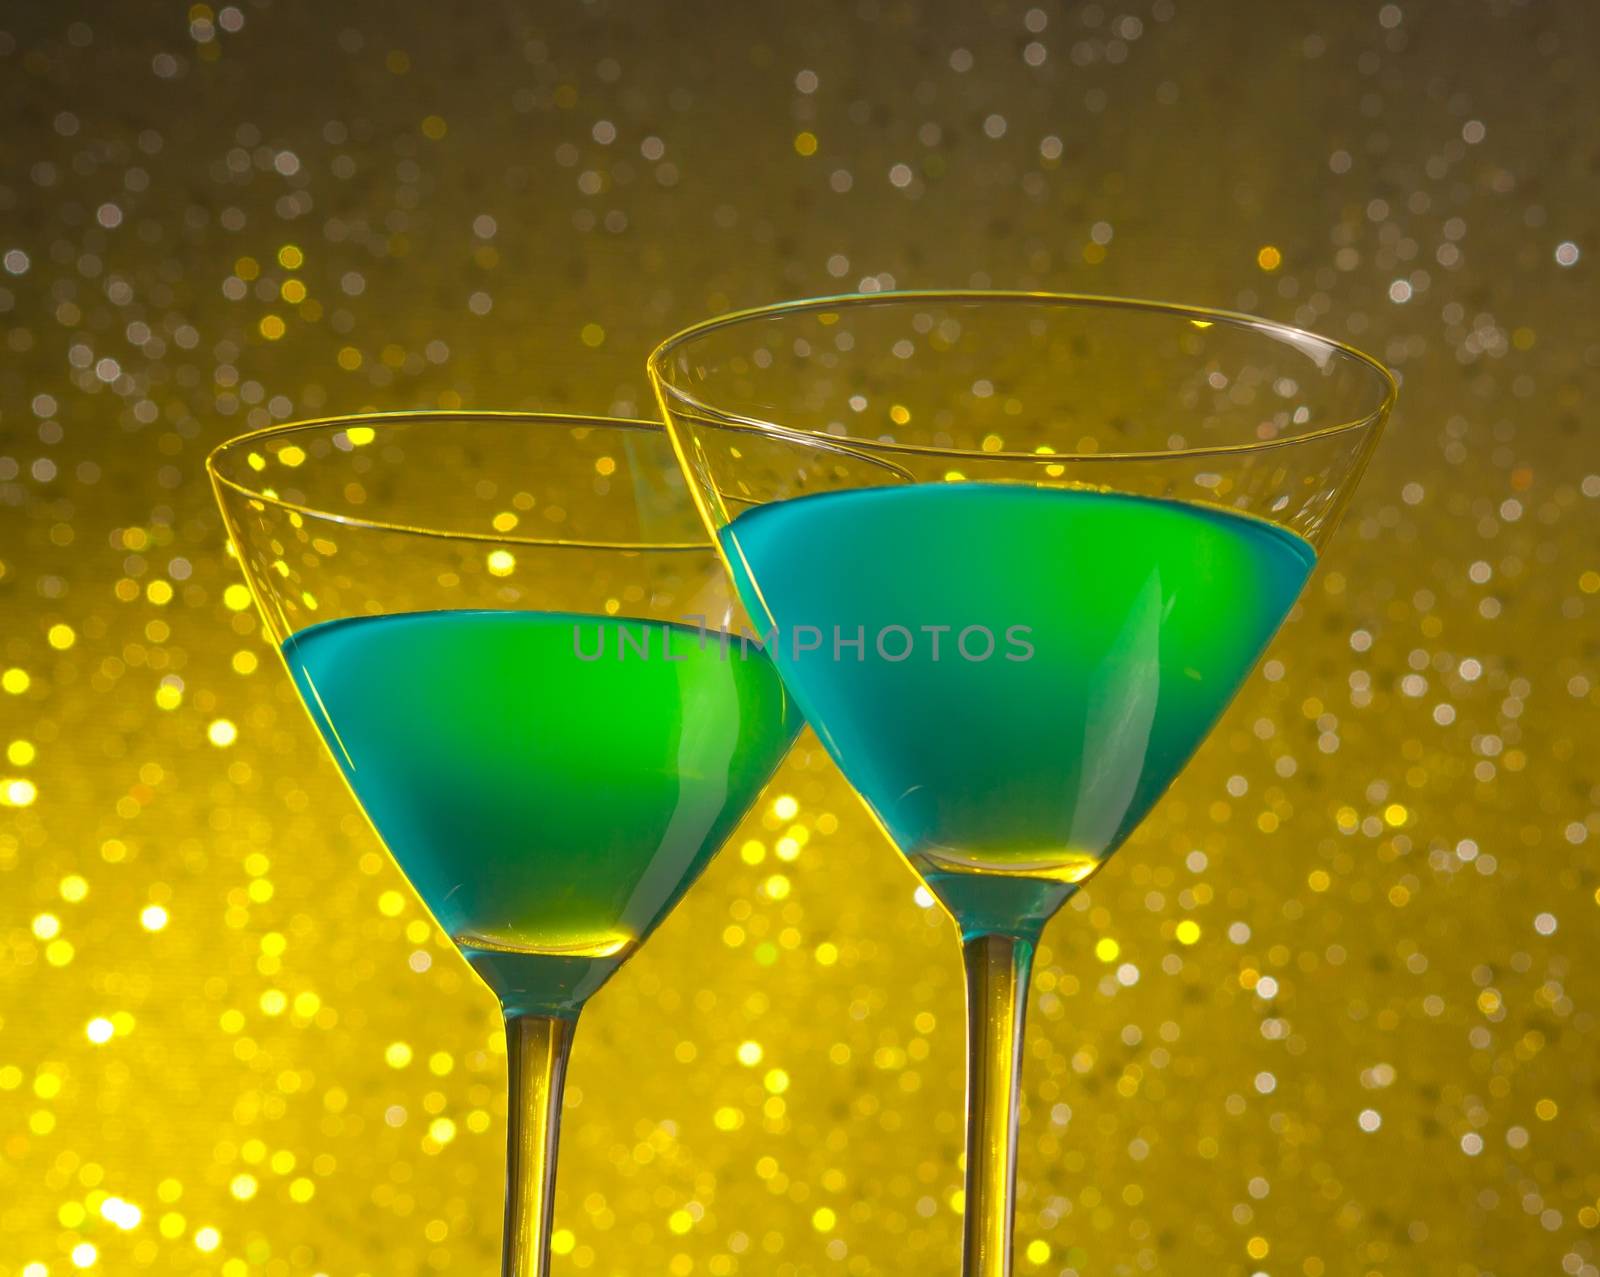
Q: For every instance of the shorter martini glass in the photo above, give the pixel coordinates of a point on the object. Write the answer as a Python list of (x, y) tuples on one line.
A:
[(512, 634), (1016, 553)]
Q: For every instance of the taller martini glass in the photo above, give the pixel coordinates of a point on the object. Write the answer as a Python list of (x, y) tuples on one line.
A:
[(1015, 554)]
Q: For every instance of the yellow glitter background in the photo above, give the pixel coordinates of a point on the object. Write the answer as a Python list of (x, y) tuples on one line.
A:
[(1333, 1009)]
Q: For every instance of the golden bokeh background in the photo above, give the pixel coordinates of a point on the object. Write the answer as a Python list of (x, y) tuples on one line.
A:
[(1331, 1012)]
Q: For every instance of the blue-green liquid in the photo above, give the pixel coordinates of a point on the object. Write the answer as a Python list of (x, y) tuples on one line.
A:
[(550, 784), (1138, 619)]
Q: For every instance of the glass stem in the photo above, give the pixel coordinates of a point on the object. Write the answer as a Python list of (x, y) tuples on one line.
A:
[(537, 1048), (998, 967)]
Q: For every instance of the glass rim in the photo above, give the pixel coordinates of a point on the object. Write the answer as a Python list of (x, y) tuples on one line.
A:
[(227, 447), (1287, 333)]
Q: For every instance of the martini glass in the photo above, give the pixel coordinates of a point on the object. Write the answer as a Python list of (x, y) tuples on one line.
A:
[(1014, 554), (511, 632)]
